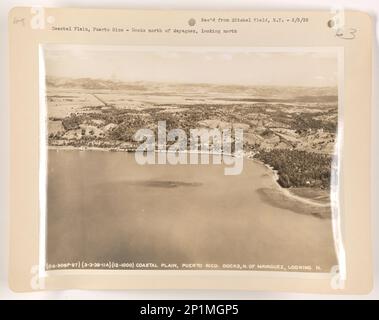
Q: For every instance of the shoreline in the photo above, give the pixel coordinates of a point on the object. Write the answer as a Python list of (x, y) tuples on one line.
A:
[(287, 191), (272, 171)]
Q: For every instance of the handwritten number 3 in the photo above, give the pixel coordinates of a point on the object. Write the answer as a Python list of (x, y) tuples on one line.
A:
[(348, 34)]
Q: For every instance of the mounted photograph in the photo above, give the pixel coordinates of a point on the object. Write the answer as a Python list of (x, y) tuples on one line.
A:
[(190, 158)]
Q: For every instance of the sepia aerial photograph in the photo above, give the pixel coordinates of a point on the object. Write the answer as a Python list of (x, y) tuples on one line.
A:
[(178, 209)]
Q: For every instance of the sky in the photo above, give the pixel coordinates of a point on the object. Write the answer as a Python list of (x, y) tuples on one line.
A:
[(241, 66)]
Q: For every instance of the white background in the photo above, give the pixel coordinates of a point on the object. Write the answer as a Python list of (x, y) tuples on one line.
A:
[(370, 6)]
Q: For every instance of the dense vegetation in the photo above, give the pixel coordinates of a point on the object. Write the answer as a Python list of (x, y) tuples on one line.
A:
[(299, 168), (72, 122), (305, 121)]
